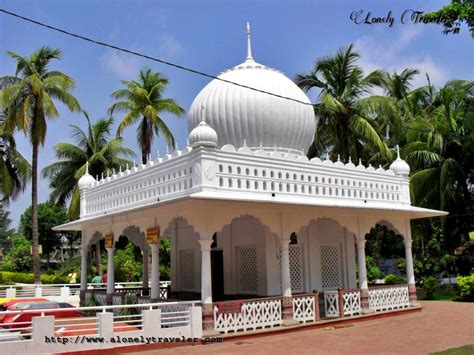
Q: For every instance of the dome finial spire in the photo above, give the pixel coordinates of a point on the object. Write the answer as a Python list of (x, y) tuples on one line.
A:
[(398, 152), (249, 43)]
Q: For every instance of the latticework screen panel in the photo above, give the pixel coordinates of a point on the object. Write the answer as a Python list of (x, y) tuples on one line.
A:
[(248, 269), (331, 266), (187, 269)]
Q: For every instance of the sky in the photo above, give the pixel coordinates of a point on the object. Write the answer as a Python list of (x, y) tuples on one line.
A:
[(210, 36)]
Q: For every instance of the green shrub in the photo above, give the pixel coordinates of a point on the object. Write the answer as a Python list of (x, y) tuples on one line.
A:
[(466, 288), (373, 271), (18, 259), (7, 277), (394, 280), (16, 277), (430, 284)]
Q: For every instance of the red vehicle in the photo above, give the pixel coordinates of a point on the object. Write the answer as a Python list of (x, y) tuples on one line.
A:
[(24, 318), (12, 304)]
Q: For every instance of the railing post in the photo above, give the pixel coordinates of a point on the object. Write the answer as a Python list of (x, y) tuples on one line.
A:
[(65, 292), (151, 320), (11, 292), (42, 327), (38, 291), (340, 300), (316, 305), (195, 321), (106, 324)]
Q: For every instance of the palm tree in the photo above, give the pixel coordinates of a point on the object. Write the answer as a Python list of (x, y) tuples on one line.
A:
[(93, 146), (397, 88), (28, 99), (15, 171), (437, 143), (397, 85), (143, 101), (346, 116)]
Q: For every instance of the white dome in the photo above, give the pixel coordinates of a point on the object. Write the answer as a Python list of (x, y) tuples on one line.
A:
[(203, 134), (237, 113), (86, 180), (400, 166)]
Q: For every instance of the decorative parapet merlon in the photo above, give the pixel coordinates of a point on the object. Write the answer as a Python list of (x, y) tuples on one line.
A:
[(164, 178), (290, 174), (252, 172)]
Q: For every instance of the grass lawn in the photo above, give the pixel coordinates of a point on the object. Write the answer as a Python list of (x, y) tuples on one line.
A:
[(463, 350), (445, 293)]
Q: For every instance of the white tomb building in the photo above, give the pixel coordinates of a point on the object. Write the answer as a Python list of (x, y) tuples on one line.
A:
[(248, 214)]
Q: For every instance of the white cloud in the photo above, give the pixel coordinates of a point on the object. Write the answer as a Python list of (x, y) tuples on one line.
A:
[(169, 46), (123, 65), (126, 66), (394, 56)]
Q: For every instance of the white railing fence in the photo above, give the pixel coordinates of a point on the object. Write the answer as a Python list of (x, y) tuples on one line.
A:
[(351, 301), (305, 308), (331, 304), (65, 290), (342, 303), (31, 333), (247, 315), (385, 298)]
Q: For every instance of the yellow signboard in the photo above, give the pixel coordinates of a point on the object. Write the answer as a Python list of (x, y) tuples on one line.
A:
[(109, 240), (40, 249), (153, 235)]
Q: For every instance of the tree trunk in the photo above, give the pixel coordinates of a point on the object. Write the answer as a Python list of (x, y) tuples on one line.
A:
[(34, 213), (97, 258)]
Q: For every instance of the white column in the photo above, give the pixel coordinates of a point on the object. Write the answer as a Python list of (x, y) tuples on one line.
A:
[(409, 266), (155, 271), (409, 260), (110, 271), (285, 267), (363, 284), (83, 269), (206, 285), (206, 277)]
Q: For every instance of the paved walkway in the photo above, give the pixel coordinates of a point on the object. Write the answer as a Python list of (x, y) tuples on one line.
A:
[(439, 326)]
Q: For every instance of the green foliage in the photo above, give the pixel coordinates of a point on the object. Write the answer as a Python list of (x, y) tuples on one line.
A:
[(165, 262), (15, 171), (466, 288), (49, 216), (19, 257), (346, 124), (373, 271), (446, 264), (453, 15), (105, 154), (68, 265), (142, 101), (6, 233), (430, 284), (463, 265), (28, 101), (27, 278), (394, 280), (383, 243), (128, 264), (402, 265)]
